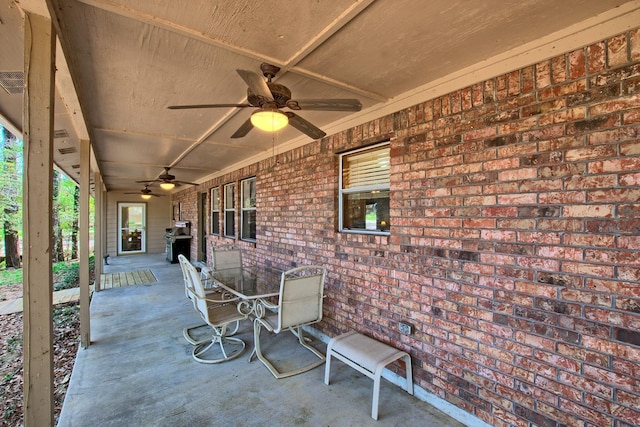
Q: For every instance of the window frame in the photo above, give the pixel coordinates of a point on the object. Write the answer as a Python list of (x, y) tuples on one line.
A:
[(214, 223), (229, 210), (246, 210), (342, 192)]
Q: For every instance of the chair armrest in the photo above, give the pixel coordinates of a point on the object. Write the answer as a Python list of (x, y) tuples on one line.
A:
[(222, 300), (267, 304)]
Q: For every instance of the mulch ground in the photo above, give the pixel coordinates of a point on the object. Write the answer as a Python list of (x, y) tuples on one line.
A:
[(66, 329)]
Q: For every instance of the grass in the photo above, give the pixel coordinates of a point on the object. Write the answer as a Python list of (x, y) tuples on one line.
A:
[(66, 274), (10, 276)]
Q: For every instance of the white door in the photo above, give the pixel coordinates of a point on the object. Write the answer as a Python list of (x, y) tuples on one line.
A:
[(132, 228)]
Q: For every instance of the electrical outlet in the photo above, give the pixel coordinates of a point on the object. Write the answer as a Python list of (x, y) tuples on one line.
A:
[(405, 328)]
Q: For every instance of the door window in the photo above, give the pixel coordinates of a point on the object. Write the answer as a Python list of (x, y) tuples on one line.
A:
[(132, 224)]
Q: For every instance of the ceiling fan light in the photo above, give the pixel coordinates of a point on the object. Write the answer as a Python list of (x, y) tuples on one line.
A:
[(167, 185), (269, 120), (146, 196)]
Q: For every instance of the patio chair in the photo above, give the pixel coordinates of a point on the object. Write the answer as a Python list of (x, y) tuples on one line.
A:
[(218, 313), (189, 293), (299, 304), (224, 256), (212, 296)]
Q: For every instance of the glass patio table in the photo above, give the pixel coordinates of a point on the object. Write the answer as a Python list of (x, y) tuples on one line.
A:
[(249, 284)]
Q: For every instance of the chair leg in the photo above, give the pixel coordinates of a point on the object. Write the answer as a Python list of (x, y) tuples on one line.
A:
[(269, 365), (409, 371), (201, 348), (186, 332), (376, 397), (234, 330), (327, 368), (304, 342)]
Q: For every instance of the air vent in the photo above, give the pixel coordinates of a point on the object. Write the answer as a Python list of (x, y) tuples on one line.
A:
[(60, 133), (67, 150), (12, 81)]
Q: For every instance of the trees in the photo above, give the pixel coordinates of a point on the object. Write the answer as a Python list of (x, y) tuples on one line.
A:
[(10, 194), (58, 245), (64, 213)]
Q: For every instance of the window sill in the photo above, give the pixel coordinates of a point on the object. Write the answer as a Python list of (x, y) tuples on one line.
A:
[(372, 232)]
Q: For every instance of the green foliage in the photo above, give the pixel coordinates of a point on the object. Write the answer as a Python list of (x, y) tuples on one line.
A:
[(67, 273), (14, 341), (11, 184), (10, 180), (11, 276), (12, 406)]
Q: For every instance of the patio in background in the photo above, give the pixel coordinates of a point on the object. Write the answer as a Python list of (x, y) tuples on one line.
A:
[(139, 371)]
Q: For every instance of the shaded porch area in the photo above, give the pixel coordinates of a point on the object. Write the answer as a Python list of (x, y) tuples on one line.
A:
[(139, 371)]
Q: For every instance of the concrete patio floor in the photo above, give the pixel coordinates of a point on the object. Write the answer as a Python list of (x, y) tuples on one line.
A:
[(138, 371)]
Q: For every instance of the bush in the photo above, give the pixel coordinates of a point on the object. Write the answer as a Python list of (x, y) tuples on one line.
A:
[(67, 274)]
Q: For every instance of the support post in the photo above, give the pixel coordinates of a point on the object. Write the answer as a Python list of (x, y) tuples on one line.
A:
[(85, 166), (98, 250), (39, 63)]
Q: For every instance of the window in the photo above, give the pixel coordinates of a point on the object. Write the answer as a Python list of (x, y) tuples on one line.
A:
[(229, 210), (364, 190), (248, 197), (215, 211)]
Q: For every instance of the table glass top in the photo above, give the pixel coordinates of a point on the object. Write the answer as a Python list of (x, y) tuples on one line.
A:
[(249, 282)]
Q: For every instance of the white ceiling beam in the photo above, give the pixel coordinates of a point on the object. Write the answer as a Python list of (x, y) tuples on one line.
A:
[(153, 135), (342, 20), (337, 24)]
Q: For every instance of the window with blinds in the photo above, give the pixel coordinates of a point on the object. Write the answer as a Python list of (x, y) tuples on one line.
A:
[(215, 211), (371, 168), (248, 209), (364, 190), (229, 210)]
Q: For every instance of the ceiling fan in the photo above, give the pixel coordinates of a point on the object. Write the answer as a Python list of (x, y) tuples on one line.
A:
[(146, 193), (167, 181), (269, 97)]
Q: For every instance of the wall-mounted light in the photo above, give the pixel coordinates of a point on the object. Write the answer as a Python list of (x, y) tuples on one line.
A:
[(167, 185), (269, 120)]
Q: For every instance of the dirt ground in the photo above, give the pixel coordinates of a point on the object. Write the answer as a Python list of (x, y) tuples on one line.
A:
[(66, 329)]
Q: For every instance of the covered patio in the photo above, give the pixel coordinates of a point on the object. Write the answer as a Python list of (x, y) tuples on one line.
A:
[(493, 234), (139, 371)]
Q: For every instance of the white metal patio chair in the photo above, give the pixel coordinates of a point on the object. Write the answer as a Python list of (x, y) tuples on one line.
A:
[(189, 293), (226, 256), (223, 256), (218, 314), (299, 304)]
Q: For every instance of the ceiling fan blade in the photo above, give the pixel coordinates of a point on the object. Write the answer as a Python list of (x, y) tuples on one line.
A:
[(186, 107), (243, 130), (148, 181), (257, 84), (304, 126), (325, 104), (184, 182)]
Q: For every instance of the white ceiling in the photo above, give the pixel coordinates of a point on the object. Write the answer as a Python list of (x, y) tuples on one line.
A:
[(130, 59)]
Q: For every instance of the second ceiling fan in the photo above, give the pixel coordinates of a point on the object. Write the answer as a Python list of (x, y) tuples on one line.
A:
[(166, 180), (269, 97)]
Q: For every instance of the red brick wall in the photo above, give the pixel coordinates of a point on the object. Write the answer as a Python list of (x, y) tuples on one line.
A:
[(515, 239)]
